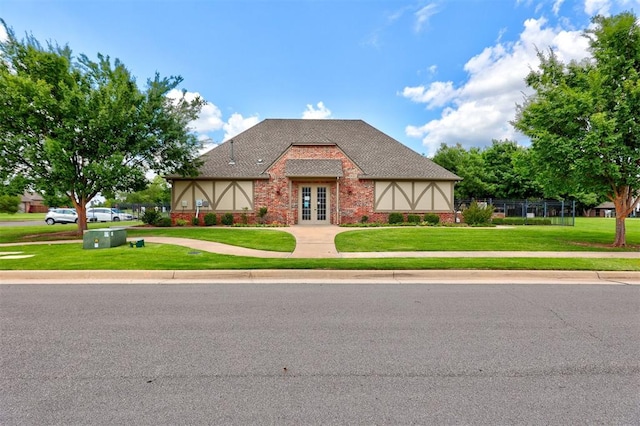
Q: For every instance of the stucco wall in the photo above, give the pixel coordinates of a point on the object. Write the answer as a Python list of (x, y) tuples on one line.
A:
[(217, 196), (413, 196)]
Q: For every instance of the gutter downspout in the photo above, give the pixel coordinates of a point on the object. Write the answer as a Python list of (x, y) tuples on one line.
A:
[(337, 200), (289, 212)]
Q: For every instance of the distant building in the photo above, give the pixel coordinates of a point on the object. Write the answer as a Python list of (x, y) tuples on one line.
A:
[(32, 202)]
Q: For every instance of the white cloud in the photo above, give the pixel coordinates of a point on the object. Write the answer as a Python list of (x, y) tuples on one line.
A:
[(424, 14), (556, 6), (313, 113), (3, 34), (238, 124), (436, 95), (597, 7), (210, 121), (481, 108), (210, 118)]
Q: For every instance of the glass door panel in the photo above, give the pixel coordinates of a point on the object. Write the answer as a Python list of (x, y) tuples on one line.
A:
[(314, 205), (321, 201), (306, 203)]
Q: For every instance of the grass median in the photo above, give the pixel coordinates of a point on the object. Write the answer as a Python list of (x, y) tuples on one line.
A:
[(587, 235)]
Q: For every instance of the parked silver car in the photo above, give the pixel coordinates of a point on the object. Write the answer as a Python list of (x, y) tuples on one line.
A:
[(61, 216), (104, 214), (122, 215)]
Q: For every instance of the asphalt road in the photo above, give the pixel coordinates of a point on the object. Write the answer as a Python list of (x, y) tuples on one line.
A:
[(319, 354), (32, 223)]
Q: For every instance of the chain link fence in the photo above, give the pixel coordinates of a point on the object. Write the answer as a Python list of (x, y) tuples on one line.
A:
[(137, 209), (528, 212)]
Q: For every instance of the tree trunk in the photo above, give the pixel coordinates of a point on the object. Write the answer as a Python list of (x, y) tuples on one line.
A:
[(82, 214), (621, 233), (625, 199)]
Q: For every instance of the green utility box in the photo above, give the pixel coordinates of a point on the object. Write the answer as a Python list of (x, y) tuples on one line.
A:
[(104, 238)]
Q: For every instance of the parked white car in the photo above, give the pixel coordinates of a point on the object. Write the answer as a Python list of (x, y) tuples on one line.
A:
[(104, 214), (61, 216), (122, 215)]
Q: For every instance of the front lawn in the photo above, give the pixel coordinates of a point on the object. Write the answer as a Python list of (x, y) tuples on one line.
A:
[(71, 256), (589, 234)]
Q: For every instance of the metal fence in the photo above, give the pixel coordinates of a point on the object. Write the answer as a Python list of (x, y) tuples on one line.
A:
[(548, 212), (137, 209)]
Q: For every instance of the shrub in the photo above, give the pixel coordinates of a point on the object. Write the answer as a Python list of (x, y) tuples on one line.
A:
[(195, 221), (477, 215), (432, 218), (227, 219), (163, 222), (150, 217), (413, 218), (262, 213), (521, 221), (181, 222), (243, 216), (364, 219), (9, 204), (396, 218), (210, 219)]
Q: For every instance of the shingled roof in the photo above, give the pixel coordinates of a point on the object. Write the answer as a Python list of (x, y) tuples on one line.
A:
[(378, 155)]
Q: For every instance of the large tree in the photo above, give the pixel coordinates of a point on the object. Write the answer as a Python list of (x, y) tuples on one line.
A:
[(81, 127), (509, 171), (469, 165), (583, 119)]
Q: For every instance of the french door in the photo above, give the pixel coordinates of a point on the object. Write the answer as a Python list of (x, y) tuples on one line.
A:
[(314, 205)]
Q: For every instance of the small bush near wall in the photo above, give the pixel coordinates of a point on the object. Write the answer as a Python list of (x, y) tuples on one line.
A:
[(150, 217), (476, 215), (432, 219), (396, 218), (181, 222), (163, 222), (364, 219), (210, 219), (195, 221), (262, 213), (413, 218), (227, 219)]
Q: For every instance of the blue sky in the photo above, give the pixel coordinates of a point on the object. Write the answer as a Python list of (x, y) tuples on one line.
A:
[(424, 72)]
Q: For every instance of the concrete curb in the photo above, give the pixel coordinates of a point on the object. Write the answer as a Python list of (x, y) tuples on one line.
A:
[(320, 277)]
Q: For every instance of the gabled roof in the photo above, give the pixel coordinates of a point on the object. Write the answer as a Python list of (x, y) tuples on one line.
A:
[(313, 168), (378, 155)]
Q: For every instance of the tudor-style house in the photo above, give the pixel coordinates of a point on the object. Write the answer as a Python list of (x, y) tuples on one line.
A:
[(314, 172)]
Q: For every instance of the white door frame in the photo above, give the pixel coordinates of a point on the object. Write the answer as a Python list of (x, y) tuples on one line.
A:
[(314, 201)]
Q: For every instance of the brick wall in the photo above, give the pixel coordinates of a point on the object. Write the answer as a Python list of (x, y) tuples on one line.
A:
[(277, 194)]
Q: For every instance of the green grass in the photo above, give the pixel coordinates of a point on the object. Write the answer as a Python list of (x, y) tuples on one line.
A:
[(44, 232), (21, 217), (589, 234), (169, 257), (253, 238)]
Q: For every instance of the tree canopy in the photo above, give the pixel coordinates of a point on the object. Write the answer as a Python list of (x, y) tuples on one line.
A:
[(80, 127), (500, 171), (583, 118)]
